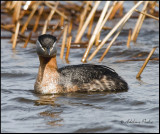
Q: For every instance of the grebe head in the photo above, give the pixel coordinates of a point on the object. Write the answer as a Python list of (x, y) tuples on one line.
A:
[(46, 45)]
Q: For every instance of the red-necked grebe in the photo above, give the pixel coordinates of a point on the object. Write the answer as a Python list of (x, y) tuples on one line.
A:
[(74, 78)]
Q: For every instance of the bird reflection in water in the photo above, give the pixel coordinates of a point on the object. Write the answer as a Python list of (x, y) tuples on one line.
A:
[(53, 116)]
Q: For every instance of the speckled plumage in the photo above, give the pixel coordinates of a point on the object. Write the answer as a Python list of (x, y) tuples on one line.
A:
[(89, 77), (74, 78)]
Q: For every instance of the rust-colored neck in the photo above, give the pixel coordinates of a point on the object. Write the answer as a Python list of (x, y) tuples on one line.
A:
[(49, 64)]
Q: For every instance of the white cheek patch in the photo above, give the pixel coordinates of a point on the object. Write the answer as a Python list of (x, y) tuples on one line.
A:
[(53, 46), (39, 45)]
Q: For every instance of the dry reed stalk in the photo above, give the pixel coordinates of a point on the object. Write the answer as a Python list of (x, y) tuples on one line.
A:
[(90, 26), (70, 28), (45, 27), (59, 36), (22, 13), (97, 39), (82, 17), (114, 5), (45, 24), (111, 43), (16, 13), (68, 46), (93, 37), (127, 15), (80, 43), (145, 63), (157, 4), (8, 4), (27, 5), (80, 23), (38, 18), (55, 27), (16, 34), (121, 10), (101, 26), (106, 28), (62, 20), (152, 6), (63, 41), (35, 26), (149, 15), (129, 38), (14, 29), (56, 10), (115, 8), (13, 4), (139, 23), (8, 26), (30, 17), (49, 18), (78, 38), (107, 15), (27, 40)]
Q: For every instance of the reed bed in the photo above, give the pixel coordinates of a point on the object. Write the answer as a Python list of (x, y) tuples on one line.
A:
[(63, 19)]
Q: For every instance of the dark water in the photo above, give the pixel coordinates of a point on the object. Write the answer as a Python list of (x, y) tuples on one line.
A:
[(134, 111)]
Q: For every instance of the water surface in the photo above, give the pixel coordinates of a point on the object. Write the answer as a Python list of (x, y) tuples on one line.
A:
[(134, 111)]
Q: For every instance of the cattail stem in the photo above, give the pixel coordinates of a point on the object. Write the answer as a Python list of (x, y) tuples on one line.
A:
[(145, 63), (17, 10), (8, 4), (78, 38), (49, 18), (139, 23), (59, 36), (82, 17), (129, 38), (149, 15), (27, 40), (55, 27), (13, 4), (30, 17), (62, 20), (97, 39), (121, 10), (116, 7), (111, 43), (90, 26), (95, 31), (35, 26), (57, 11), (68, 46), (38, 18), (63, 41), (114, 29), (152, 4), (70, 28), (16, 34), (107, 15)]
